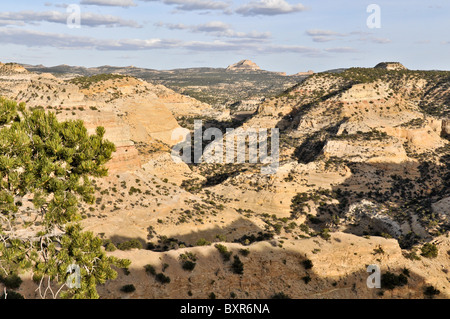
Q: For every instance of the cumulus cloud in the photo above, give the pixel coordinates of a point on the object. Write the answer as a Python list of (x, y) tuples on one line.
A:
[(87, 18), (269, 7), (217, 29), (110, 3)]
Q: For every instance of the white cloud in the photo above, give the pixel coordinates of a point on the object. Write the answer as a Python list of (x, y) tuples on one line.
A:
[(192, 5), (324, 35), (217, 29), (111, 3), (31, 38), (87, 18), (269, 7), (341, 50)]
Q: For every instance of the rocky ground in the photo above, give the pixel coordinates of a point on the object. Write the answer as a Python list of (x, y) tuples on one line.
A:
[(363, 179)]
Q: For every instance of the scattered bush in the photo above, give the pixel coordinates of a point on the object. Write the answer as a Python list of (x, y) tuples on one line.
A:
[(306, 279), (237, 266), (390, 281), (430, 291), (162, 278), (128, 245), (429, 250), (307, 264), (244, 252), (149, 269), (280, 295), (223, 250), (188, 265), (12, 281), (128, 288), (202, 242)]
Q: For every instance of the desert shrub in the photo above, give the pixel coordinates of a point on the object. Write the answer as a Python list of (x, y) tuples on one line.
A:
[(149, 269), (306, 279), (162, 278), (223, 250), (237, 266), (128, 288), (188, 265), (325, 233), (202, 242), (109, 245), (307, 264), (430, 291), (429, 250), (130, 244), (244, 252), (390, 280), (12, 281), (280, 295)]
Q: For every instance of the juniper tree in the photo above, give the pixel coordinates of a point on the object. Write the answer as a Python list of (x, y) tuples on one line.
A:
[(46, 168)]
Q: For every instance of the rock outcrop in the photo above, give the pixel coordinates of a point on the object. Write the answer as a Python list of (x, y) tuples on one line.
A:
[(244, 65), (391, 66)]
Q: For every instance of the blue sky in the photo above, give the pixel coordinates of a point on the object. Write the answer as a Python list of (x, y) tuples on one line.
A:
[(279, 35)]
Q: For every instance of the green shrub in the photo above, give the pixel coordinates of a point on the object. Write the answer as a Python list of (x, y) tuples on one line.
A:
[(110, 247), (429, 250), (202, 242), (223, 250), (128, 245)]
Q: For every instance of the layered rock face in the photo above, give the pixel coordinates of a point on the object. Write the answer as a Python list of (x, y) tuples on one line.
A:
[(132, 111)]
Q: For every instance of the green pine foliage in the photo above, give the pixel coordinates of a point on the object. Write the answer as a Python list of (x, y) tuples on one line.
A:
[(45, 170)]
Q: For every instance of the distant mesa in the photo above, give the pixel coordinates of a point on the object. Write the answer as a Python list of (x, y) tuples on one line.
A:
[(310, 72), (391, 66), (244, 65)]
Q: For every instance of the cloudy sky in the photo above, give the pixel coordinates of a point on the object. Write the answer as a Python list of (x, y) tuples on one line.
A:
[(279, 35)]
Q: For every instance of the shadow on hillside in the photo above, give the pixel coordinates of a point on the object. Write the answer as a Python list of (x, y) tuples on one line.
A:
[(241, 230), (262, 274), (407, 188)]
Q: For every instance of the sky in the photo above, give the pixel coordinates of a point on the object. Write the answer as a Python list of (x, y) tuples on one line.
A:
[(279, 35)]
